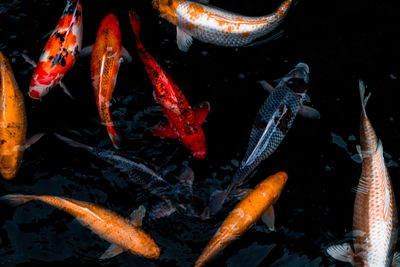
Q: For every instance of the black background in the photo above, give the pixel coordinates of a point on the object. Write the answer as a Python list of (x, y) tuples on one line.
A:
[(341, 41)]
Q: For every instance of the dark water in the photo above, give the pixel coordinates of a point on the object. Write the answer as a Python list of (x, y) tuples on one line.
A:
[(341, 41)]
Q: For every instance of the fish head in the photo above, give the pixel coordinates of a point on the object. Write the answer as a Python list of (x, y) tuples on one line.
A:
[(37, 91), (297, 79), (9, 165), (196, 143), (43, 80)]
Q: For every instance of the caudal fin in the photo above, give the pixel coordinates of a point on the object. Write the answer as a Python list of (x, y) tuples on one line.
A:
[(364, 99), (217, 199), (72, 142), (17, 199), (135, 22)]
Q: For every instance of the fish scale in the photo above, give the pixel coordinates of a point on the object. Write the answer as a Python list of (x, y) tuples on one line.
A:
[(273, 121)]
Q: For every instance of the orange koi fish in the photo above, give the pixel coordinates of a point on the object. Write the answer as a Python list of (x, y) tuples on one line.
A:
[(257, 204), (110, 226), (375, 213), (105, 61), (214, 25), (12, 121), (60, 53)]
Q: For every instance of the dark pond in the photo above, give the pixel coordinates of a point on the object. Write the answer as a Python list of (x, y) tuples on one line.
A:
[(341, 41)]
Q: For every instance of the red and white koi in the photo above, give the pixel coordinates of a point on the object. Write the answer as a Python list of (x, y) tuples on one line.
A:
[(183, 121), (216, 26), (375, 213), (60, 52)]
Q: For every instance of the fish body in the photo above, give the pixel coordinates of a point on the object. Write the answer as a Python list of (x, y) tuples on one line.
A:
[(273, 121), (12, 121), (103, 222), (214, 25), (139, 174), (104, 68), (60, 52), (375, 213), (245, 214), (184, 122)]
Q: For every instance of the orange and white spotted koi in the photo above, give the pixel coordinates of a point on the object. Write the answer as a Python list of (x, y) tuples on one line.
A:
[(60, 53), (258, 203), (375, 213), (122, 233), (214, 25)]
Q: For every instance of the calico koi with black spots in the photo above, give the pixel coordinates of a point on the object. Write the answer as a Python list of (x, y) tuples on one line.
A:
[(60, 52)]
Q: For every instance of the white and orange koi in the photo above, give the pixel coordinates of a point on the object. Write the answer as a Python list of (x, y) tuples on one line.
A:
[(123, 234), (60, 52), (375, 214), (214, 25)]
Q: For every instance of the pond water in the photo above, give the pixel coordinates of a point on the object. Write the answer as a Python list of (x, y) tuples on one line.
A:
[(341, 41)]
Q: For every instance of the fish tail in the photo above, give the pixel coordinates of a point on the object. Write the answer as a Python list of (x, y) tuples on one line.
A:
[(135, 22), (364, 99), (72, 142), (17, 199), (217, 199), (114, 136)]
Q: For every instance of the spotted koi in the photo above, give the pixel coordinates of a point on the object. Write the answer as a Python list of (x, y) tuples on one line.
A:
[(270, 127), (60, 52), (216, 26), (124, 234), (258, 203), (183, 121), (375, 214)]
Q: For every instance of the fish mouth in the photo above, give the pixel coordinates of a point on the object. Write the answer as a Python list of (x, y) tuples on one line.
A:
[(34, 94), (200, 154)]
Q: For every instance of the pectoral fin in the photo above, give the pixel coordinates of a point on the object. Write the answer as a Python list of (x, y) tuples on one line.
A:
[(201, 111), (112, 251), (33, 140), (164, 130), (341, 252), (125, 55), (309, 112), (396, 260), (86, 51), (183, 39), (136, 217), (269, 88), (268, 218)]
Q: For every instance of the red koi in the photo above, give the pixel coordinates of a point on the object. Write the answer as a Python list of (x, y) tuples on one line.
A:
[(184, 123), (60, 52)]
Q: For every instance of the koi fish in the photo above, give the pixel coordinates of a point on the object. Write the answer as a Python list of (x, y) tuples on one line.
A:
[(375, 213), (216, 26), (12, 122), (139, 173), (273, 121), (105, 61), (60, 52), (183, 121), (110, 226), (257, 204)]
